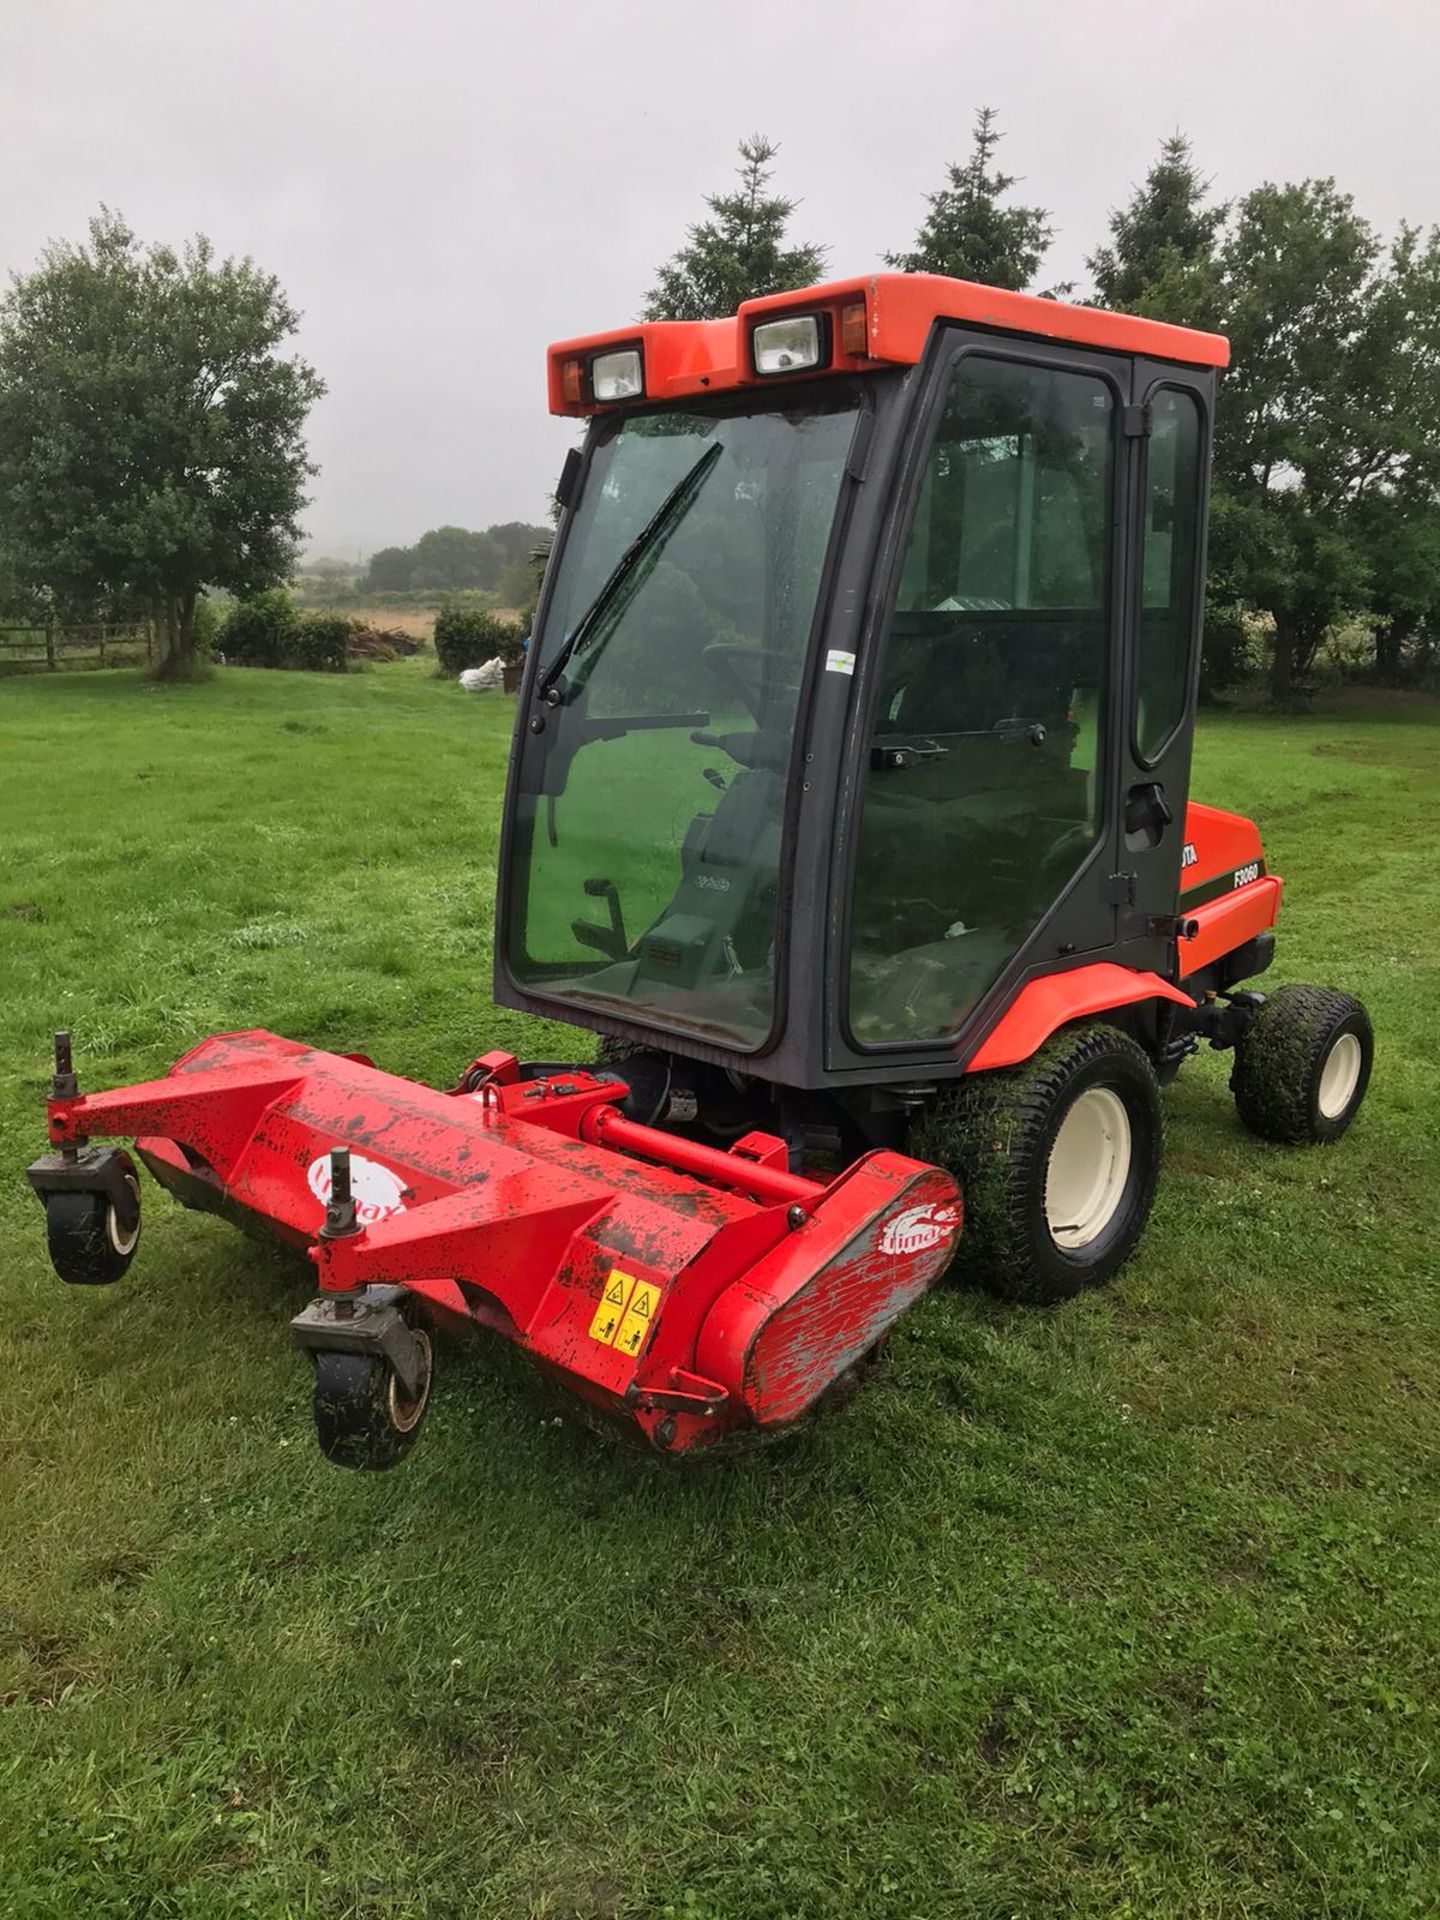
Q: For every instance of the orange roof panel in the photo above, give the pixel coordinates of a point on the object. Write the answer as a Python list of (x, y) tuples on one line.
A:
[(684, 358)]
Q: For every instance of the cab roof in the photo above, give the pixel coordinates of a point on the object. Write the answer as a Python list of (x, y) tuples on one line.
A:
[(683, 358)]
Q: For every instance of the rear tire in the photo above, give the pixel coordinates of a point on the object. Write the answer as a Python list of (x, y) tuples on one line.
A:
[(363, 1416), (1302, 1065), (1057, 1161)]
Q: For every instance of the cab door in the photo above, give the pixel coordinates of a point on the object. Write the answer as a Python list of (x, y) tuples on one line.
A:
[(1169, 432), (987, 825)]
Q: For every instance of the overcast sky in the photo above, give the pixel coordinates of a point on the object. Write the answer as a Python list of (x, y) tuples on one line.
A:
[(443, 189)]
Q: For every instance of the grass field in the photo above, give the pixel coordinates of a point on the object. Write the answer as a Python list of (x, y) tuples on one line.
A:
[(1129, 1609)]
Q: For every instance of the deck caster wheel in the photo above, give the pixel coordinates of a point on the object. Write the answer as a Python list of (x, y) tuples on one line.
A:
[(1302, 1065), (1057, 1160), (91, 1245), (364, 1418)]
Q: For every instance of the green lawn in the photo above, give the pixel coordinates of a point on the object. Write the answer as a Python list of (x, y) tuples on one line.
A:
[(1129, 1609)]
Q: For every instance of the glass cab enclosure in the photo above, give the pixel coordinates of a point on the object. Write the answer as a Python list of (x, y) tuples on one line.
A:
[(812, 767)]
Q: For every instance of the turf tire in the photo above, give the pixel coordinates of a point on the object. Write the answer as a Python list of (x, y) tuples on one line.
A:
[(363, 1419), (995, 1133), (1279, 1075)]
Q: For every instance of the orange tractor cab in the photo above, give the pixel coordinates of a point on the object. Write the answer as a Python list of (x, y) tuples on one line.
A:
[(849, 806)]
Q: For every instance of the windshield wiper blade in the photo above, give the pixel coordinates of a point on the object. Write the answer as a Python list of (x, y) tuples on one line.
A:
[(649, 541)]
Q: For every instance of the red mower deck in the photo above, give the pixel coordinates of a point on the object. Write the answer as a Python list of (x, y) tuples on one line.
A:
[(688, 1291)]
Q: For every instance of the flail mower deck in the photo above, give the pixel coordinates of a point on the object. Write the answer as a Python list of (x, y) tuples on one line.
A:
[(849, 805), (683, 1290)]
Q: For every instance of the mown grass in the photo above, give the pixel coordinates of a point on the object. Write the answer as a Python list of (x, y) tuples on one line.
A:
[(1125, 1610)]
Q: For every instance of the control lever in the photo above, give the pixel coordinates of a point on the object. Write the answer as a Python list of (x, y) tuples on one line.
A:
[(609, 940), (739, 746)]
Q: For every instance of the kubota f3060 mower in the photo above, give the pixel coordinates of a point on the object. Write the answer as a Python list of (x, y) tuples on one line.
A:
[(849, 806)]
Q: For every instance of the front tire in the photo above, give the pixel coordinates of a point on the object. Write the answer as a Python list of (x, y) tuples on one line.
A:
[(364, 1419), (1057, 1161), (1302, 1065)]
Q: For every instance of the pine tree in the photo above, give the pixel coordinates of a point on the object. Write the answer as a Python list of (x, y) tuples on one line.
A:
[(737, 254), (968, 233), (1162, 258)]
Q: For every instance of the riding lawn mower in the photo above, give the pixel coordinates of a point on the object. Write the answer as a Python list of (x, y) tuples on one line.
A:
[(849, 806)]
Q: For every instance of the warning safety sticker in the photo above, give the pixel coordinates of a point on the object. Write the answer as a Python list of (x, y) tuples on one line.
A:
[(611, 1310), (627, 1307), (638, 1315)]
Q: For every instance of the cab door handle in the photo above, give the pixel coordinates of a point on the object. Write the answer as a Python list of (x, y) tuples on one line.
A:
[(1147, 814)]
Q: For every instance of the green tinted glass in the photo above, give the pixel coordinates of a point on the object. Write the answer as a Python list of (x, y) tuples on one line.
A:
[(1168, 579), (649, 822), (982, 795)]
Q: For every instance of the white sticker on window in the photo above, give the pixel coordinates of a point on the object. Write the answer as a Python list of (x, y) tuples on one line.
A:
[(838, 662)]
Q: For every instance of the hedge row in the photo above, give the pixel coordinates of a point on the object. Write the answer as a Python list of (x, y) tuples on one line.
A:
[(268, 631), (469, 636)]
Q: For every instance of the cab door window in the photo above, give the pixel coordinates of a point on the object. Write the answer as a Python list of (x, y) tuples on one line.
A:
[(983, 793)]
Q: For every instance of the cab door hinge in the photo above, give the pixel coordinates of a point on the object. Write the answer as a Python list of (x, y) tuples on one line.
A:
[(1120, 889), (1135, 422)]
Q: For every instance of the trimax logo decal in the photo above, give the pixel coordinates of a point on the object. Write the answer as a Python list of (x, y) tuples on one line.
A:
[(377, 1191), (918, 1229)]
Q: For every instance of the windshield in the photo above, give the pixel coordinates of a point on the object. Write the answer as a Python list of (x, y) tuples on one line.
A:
[(644, 875)]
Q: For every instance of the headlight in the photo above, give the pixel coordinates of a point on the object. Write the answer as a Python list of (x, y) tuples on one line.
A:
[(787, 346), (617, 376)]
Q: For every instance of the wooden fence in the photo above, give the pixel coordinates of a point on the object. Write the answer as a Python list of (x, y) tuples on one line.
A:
[(56, 648)]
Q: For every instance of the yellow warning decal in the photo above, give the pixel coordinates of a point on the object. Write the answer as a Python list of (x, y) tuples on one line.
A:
[(638, 1315), (611, 1310)]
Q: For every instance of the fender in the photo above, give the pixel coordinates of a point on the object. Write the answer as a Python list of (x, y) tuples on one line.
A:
[(1045, 1005)]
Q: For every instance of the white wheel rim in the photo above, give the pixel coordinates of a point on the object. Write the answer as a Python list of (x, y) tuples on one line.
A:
[(124, 1243), (1340, 1076), (1088, 1169), (405, 1414)]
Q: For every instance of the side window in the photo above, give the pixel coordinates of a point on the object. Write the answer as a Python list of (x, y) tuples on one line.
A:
[(1170, 543)]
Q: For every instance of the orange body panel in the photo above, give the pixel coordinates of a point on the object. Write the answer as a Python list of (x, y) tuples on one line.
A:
[(1215, 842), (1229, 922), (1043, 1006), (1224, 887), (683, 358)]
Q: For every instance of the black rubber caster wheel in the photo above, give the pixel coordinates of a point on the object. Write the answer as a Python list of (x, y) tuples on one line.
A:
[(1302, 1065), (89, 1245), (364, 1418)]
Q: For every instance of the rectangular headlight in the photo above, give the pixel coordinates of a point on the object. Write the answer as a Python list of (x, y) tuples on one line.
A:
[(617, 376), (787, 346)]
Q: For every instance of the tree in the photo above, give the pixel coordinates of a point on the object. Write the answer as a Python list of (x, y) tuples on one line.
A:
[(448, 559), (968, 233), (151, 430), (391, 570), (1161, 261), (1402, 544), (738, 254), (1330, 419), (516, 539)]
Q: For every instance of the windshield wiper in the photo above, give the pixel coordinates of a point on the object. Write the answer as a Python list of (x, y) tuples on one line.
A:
[(646, 544)]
